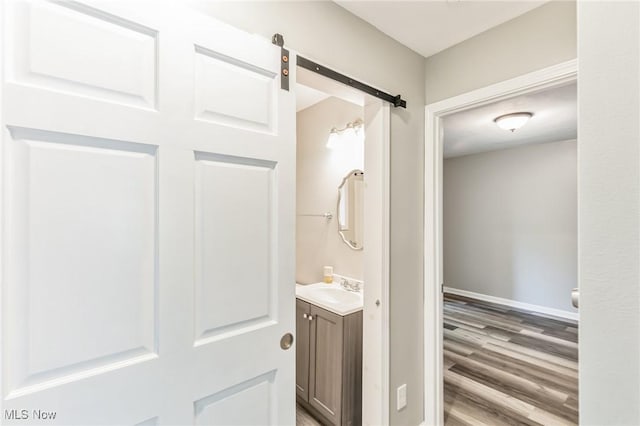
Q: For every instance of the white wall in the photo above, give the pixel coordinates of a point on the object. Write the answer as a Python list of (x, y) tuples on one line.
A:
[(609, 211), (510, 223), (319, 173), (325, 32), (540, 38)]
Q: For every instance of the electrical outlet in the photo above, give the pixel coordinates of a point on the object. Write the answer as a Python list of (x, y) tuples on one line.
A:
[(401, 400)]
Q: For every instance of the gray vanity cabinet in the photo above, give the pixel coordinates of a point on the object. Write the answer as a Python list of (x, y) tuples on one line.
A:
[(329, 364)]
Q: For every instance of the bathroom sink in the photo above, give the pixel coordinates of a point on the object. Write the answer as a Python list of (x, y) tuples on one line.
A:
[(337, 295), (331, 297)]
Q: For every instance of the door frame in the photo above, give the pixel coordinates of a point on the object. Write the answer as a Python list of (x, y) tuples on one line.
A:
[(376, 351), (375, 336), (2, 205), (552, 76)]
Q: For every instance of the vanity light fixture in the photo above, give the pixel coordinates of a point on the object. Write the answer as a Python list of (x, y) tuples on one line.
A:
[(513, 121), (353, 131), (334, 139)]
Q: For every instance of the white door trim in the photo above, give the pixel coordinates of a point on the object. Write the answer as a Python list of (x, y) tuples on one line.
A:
[(375, 353), (433, 270), (2, 202)]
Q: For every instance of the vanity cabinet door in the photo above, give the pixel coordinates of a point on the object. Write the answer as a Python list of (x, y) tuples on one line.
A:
[(303, 328), (325, 378)]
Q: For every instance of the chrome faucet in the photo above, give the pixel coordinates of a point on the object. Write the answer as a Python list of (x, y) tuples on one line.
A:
[(349, 286)]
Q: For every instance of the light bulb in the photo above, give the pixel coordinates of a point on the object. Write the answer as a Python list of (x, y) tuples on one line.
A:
[(334, 139)]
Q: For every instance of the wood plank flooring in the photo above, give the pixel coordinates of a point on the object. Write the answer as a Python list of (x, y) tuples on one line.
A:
[(504, 366), (304, 418)]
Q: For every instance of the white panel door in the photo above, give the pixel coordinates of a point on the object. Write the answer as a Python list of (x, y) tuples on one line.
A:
[(147, 175)]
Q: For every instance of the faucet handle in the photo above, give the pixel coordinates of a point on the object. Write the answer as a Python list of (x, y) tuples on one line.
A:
[(350, 285)]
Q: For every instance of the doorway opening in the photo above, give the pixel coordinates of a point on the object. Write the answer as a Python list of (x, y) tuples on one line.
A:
[(501, 254), (342, 230)]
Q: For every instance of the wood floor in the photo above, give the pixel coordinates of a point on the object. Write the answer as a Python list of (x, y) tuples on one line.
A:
[(504, 366), (304, 418)]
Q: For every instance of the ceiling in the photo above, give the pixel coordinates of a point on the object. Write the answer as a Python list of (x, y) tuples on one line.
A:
[(554, 118), (308, 96), (430, 26), (312, 88)]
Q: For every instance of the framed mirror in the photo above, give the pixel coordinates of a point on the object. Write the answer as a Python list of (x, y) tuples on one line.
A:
[(351, 209)]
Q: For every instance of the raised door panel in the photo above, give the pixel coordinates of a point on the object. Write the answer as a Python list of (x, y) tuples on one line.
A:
[(325, 384), (247, 403), (235, 244), (234, 93), (80, 50), (81, 257), (303, 328)]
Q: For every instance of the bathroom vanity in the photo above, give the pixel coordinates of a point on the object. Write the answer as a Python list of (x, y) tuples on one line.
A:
[(329, 353)]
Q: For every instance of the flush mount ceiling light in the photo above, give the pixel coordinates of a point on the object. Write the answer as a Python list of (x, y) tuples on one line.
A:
[(513, 121), (352, 132)]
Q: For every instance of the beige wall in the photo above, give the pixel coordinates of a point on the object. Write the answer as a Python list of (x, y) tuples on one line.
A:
[(319, 173), (511, 223), (323, 31), (540, 38), (609, 212)]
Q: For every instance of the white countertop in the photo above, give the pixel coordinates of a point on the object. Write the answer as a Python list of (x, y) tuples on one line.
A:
[(331, 297)]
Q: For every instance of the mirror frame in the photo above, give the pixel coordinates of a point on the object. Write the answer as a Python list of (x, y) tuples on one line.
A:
[(344, 180)]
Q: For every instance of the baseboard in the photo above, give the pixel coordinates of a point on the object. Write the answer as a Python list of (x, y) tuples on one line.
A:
[(575, 316)]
